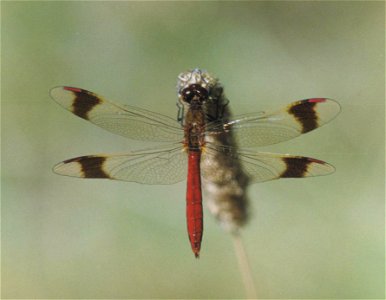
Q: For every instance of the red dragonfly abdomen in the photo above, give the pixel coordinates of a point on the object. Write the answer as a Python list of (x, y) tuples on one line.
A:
[(194, 215)]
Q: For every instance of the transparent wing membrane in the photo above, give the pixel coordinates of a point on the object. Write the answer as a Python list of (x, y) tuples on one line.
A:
[(166, 166), (124, 120), (262, 166), (262, 129), (169, 165)]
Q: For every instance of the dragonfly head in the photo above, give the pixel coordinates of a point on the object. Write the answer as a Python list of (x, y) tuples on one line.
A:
[(194, 86), (198, 89), (194, 93)]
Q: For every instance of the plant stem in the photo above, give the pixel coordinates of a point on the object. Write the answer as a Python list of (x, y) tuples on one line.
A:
[(244, 267)]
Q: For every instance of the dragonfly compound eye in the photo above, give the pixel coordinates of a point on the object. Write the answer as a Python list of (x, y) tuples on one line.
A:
[(195, 91)]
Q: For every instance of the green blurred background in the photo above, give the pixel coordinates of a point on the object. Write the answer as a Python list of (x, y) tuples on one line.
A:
[(71, 238)]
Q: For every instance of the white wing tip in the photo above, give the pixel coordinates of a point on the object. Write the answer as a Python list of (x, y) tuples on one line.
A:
[(319, 168), (71, 168), (63, 95)]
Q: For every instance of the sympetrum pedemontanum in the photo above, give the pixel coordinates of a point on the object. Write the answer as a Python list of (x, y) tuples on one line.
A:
[(202, 144)]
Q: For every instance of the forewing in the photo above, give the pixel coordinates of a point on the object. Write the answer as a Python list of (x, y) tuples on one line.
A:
[(262, 129), (127, 121), (150, 167)]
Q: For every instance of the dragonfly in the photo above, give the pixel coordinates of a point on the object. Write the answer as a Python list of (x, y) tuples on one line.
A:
[(204, 144)]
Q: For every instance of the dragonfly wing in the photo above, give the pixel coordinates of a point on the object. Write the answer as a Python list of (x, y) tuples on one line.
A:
[(263, 129), (259, 166), (150, 167), (262, 167), (127, 121)]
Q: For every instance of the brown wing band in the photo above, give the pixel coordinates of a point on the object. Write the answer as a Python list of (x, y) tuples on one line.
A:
[(91, 166), (305, 114), (296, 167), (84, 102)]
